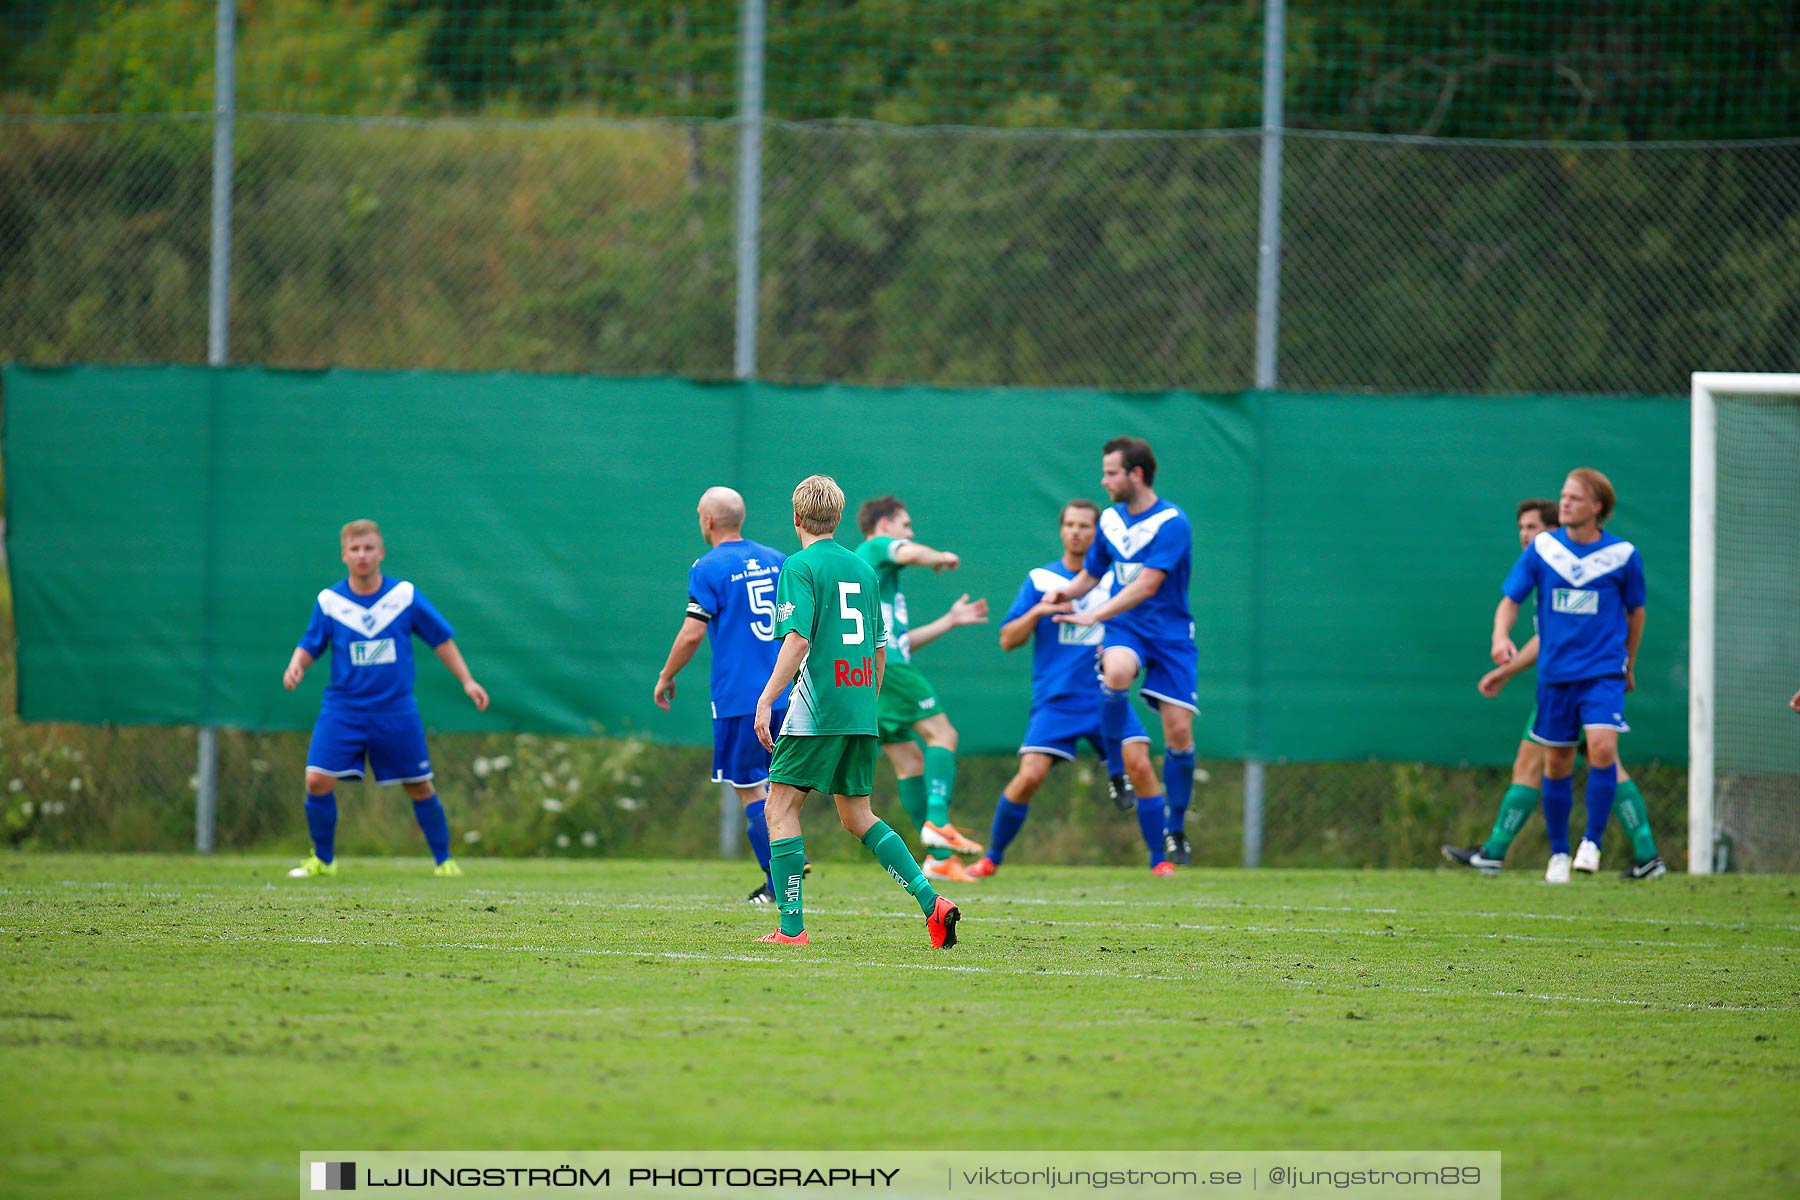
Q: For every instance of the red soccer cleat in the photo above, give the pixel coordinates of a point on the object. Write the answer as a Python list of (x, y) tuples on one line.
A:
[(982, 868), (941, 924), (1163, 869), (782, 939)]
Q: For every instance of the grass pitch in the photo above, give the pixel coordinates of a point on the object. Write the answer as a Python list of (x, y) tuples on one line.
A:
[(184, 1027)]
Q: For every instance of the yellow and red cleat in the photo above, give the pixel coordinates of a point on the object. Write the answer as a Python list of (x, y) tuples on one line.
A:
[(1163, 869), (781, 939), (941, 924), (948, 837)]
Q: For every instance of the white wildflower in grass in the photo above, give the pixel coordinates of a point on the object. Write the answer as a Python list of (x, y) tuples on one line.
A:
[(75, 784), (482, 768), (547, 779), (562, 841), (502, 761), (589, 838), (26, 808), (552, 804), (16, 785), (629, 803), (260, 766), (1202, 775), (471, 836)]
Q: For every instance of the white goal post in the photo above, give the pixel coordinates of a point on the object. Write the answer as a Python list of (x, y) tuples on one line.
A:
[(1702, 595)]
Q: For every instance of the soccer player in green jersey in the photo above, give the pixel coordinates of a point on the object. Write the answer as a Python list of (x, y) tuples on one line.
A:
[(1521, 798), (834, 652), (910, 712)]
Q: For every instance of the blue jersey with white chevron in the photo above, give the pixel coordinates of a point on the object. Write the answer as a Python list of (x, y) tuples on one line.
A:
[(1159, 538), (1585, 592), (732, 589), (1062, 656), (370, 639)]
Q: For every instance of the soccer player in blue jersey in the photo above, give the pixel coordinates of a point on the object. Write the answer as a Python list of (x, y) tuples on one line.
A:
[(1590, 618), (368, 622), (1147, 545), (1522, 797), (1065, 694), (731, 599)]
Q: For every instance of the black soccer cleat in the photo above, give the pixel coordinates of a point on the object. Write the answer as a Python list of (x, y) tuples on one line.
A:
[(1474, 856), (762, 894), (1123, 798), (1176, 848), (1654, 869)]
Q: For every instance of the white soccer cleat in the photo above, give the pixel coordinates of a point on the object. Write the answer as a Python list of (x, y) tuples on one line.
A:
[(1558, 870), (1587, 857)]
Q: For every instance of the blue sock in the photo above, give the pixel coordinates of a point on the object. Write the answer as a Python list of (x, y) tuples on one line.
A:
[(1115, 706), (321, 820), (1602, 784), (1178, 780), (756, 828), (429, 813), (1151, 810), (1009, 818), (1559, 802)]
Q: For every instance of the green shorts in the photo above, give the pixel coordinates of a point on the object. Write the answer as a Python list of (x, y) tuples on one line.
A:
[(907, 698), (840, 764)]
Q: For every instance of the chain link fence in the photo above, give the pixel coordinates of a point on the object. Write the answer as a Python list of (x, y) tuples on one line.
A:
[(1059, 235)]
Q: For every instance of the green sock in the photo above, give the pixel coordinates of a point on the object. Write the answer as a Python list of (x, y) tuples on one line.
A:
[(1516, 808), (912, 798), (889, 849), (940, 781), (1628, 806), (787, 866)]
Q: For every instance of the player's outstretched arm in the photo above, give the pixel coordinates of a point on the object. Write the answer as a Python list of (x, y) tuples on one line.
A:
[(918, 554), (963, 612), (787, 665), (296, 669), (1502, 651), (687, 642), (1075, 589), (1634, 633), (1018, 631), (1523, 661), (451, 657), (1129, 597)]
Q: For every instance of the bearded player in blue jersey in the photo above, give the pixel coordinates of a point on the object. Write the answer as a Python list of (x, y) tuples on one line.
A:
[(1065, 694), (368, 622), (731, 599), (1147, 545), (1590, 618)]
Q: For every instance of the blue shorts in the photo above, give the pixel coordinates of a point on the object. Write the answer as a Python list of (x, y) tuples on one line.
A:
[(1058, 728), (1169, 666), (394, 742), (738, 758), (1565, 709)]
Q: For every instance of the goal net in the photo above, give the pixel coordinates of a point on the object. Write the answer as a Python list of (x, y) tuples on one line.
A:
[(1744, 644)]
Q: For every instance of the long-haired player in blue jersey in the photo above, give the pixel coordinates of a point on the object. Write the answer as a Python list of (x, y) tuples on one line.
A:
[(367, 621), (731, 599), (1147, 545), (1065, 693), (1590, 618)]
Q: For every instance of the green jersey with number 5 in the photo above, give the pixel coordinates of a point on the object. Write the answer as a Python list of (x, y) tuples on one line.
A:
[(829, 596)]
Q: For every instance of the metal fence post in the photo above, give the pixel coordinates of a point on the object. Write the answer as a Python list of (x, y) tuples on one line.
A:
[(749, 220), (1268, 324), (206, 797)]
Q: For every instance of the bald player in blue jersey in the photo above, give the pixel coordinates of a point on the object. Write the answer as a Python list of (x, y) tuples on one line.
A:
[(1065, 692), (1590, 618), (1146, 544), (367, 622), (731, 600)]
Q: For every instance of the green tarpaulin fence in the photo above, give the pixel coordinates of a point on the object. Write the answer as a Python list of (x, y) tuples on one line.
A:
[(168, 528)]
